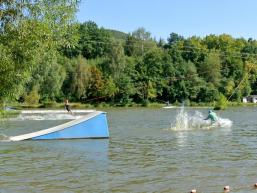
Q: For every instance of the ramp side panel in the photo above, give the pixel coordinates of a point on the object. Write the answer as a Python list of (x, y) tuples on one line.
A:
[(96, 127)]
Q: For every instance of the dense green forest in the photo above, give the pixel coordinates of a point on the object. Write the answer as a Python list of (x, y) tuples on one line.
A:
[(45, 55)]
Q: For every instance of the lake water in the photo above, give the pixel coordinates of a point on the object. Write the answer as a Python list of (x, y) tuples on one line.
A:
[(143, 154)]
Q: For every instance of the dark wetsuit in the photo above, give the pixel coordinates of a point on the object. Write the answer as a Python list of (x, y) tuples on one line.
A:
[(67, 107)]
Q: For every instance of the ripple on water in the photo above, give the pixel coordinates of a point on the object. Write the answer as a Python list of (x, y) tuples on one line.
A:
[(140, 156)]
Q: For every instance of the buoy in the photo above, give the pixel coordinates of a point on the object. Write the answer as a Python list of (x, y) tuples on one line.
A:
[(193, 191), (226, 188)]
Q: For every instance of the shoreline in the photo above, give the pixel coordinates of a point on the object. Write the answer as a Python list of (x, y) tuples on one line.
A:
[(14, 110), (150, 104), (54, 105)]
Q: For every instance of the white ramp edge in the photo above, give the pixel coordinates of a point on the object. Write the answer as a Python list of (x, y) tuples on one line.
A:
[(56, 128)]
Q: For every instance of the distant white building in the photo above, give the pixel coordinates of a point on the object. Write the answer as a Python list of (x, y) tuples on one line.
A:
[(244, 100), (250, 99)]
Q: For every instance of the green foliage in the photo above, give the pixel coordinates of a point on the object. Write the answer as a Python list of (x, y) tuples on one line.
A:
[(131, 46), (95, 87), (117, 34), (8, 114), (141, 34), (32, 97), (49, 104), (221, 103), (145, 103), (174, 38), (151, 91), (125, 90), (80, 78), (115, 64), (93, 42), (46, 57), (28, 30), (138, 43), (210, 68), (110, 88), (9, 77)]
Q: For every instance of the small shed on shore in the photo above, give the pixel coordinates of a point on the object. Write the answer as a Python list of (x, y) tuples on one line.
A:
[(250, 99)]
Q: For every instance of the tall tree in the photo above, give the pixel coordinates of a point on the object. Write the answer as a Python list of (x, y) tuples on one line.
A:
[(174, 38), (28, 29), (210, 68), (94, 41), (139, 42)]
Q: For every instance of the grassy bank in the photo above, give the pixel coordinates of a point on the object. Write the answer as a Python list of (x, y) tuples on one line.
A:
[(54, 105), (8, 114)]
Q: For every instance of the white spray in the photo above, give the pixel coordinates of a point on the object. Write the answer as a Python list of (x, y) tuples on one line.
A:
[(186, 122)]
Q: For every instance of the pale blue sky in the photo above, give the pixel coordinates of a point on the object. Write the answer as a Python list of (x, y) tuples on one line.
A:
[(185, 17)]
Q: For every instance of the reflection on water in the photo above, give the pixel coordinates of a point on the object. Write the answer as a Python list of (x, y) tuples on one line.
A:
[(181, 138), (140, 156)]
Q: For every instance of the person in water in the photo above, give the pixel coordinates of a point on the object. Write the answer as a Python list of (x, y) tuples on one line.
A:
[(212, 116), (67, 105)]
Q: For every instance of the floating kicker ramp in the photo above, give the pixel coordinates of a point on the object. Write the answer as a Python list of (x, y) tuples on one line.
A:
[(92, 125)]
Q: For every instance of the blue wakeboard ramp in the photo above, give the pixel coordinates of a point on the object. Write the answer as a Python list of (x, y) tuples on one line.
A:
[(92, 125)]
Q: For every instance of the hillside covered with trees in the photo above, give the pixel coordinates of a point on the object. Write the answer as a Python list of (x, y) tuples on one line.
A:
[(45, 55)]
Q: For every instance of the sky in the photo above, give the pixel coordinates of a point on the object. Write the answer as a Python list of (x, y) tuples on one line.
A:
[(185, 17)]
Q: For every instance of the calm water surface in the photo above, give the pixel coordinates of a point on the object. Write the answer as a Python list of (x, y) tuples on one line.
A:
[(142, 155)]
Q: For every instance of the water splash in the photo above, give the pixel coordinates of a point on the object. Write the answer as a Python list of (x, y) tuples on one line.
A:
[(185, 122), (182, 121), (49, 116)]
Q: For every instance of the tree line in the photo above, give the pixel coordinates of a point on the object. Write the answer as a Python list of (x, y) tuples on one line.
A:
[(45, 55)]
